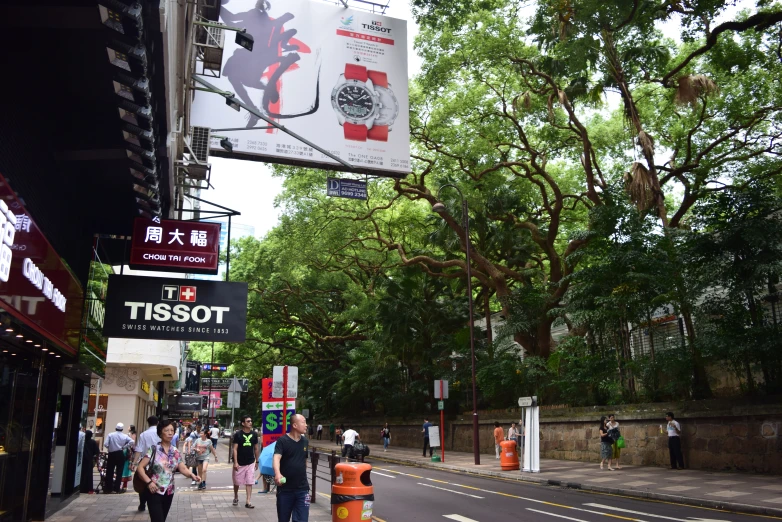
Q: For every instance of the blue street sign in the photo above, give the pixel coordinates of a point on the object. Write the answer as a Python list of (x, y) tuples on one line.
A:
[(214, 367), (346, 188)]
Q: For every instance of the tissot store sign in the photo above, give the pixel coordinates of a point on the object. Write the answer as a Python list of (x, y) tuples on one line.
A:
[(35, 285), (178, 246), (176, 309)]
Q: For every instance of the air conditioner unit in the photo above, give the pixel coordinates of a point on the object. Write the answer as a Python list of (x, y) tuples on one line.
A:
[(199, 143), (209, 42)]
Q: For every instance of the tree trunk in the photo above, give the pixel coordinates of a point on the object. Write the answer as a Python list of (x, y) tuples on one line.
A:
[(487, 312), (701, 389)]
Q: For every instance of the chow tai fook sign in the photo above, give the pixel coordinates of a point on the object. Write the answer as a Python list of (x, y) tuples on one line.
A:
[(191, 247), (175, 309), (336, 76), (35, 285)]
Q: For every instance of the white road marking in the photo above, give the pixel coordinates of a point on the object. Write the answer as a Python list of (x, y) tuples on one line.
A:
[(383, 474), (449, 490), (459, 518), (689, 519), (555, 515)]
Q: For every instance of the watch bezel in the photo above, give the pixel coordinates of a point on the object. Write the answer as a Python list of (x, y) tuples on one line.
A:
[(388, 102), (362, 85)]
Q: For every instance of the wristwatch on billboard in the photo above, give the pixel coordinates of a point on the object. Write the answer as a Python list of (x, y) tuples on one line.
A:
[(366, 106)]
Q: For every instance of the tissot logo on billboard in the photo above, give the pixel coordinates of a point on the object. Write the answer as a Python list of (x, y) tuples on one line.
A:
[(376, 26), (160, 308)]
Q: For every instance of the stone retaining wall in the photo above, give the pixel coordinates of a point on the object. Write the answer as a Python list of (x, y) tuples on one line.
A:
[(717, 435)]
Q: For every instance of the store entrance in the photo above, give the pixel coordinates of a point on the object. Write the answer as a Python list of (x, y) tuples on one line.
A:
[(19, 380)]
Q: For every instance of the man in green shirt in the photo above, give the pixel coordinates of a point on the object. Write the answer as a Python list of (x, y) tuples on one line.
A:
[(331, 432)]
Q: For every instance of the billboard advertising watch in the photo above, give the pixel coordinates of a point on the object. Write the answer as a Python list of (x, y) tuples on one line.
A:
[(334, 75), (175, 309)]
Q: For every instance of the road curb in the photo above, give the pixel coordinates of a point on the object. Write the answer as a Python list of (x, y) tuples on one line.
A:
[(647, 495)]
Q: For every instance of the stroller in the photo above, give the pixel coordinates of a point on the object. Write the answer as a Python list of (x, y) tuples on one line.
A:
[(103, 459)]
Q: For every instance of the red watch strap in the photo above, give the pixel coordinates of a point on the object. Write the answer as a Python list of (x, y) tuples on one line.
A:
[(378, 133), (355, 72), (355, 132), (378, 78)]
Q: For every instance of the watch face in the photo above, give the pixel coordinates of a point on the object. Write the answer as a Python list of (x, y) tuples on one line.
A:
[(355, 102)]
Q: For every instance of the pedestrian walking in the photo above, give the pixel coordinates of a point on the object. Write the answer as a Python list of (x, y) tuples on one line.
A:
[(348, 440), (310, 431), (340, 431), (320, 431), (214, 434), (127, 468), (513, 434), (499, 436), (89, 459), (425, 431), (204, 449), (115, 444), (245, 452), (290, 473), (605, 444), (164, 460), (674, 441), (188, 448), (145, 440), (331, 432), (385, 434), (614, 433)]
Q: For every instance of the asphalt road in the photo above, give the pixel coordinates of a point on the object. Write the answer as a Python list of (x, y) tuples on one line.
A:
[(406, 494)]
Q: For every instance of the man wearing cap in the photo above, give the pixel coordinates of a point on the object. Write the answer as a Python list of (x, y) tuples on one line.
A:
[(114, 444)]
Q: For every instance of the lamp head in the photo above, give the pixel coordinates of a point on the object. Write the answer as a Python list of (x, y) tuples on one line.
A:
[(226, 144), (438, 207), (246, 40)]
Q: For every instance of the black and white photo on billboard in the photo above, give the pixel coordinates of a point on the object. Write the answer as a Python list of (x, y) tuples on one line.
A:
[(192, 377), (175, 309), (336, 76)]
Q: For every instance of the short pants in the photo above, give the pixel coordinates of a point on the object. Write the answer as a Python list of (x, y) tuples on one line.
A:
[(245, 476)]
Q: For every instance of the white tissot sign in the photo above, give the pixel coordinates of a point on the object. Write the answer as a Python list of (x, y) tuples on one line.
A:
[(335, 76)]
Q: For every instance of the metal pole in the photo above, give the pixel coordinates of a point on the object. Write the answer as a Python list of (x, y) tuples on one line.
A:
[(285, 399), (442, 424), (211, 381), (228, 252), (475, 442)]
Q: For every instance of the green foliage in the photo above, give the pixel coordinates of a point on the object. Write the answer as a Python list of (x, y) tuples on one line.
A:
[(612, 177)]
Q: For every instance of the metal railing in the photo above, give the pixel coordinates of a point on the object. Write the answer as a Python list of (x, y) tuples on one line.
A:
[(323, 465)]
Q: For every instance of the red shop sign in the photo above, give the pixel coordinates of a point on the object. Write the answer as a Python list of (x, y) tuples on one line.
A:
[(35, 285), (192, 247)]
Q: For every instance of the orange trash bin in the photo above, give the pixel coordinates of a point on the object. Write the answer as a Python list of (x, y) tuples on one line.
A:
[(352, 493), (509, 459)]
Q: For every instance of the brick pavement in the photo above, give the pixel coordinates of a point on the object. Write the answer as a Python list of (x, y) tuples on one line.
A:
[(745, 492), (189, 504)]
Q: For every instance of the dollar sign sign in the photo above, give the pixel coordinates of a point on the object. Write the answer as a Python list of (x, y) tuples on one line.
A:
[(271, 422)]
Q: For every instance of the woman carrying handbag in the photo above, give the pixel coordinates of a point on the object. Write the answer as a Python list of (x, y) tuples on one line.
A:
[(155, 473)]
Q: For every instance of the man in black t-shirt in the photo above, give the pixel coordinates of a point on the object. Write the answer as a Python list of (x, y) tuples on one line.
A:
[(290, 463), (245, 451)]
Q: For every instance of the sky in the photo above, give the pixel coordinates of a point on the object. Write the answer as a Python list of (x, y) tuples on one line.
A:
[(248, 186)]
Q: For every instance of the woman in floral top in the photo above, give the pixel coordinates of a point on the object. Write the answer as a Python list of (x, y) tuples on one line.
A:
[(160, 479)]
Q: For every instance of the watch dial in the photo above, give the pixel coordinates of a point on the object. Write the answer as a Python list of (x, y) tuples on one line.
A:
[(355, 102)]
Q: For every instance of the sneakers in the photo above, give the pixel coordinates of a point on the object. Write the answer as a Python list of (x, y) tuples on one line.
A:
[(193, 483), (202, 485), (236, 502)]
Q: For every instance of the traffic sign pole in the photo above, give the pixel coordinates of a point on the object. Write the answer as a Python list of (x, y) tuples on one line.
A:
[(442, 424), (284, 399)]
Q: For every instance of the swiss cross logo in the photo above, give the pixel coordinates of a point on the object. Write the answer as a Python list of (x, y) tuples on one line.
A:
[(187, 294)]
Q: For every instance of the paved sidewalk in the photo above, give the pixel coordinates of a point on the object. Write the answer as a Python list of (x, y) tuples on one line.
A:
[(743, 492), (188, 506)]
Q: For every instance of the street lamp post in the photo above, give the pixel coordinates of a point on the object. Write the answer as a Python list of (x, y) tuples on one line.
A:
[(439, 207)]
